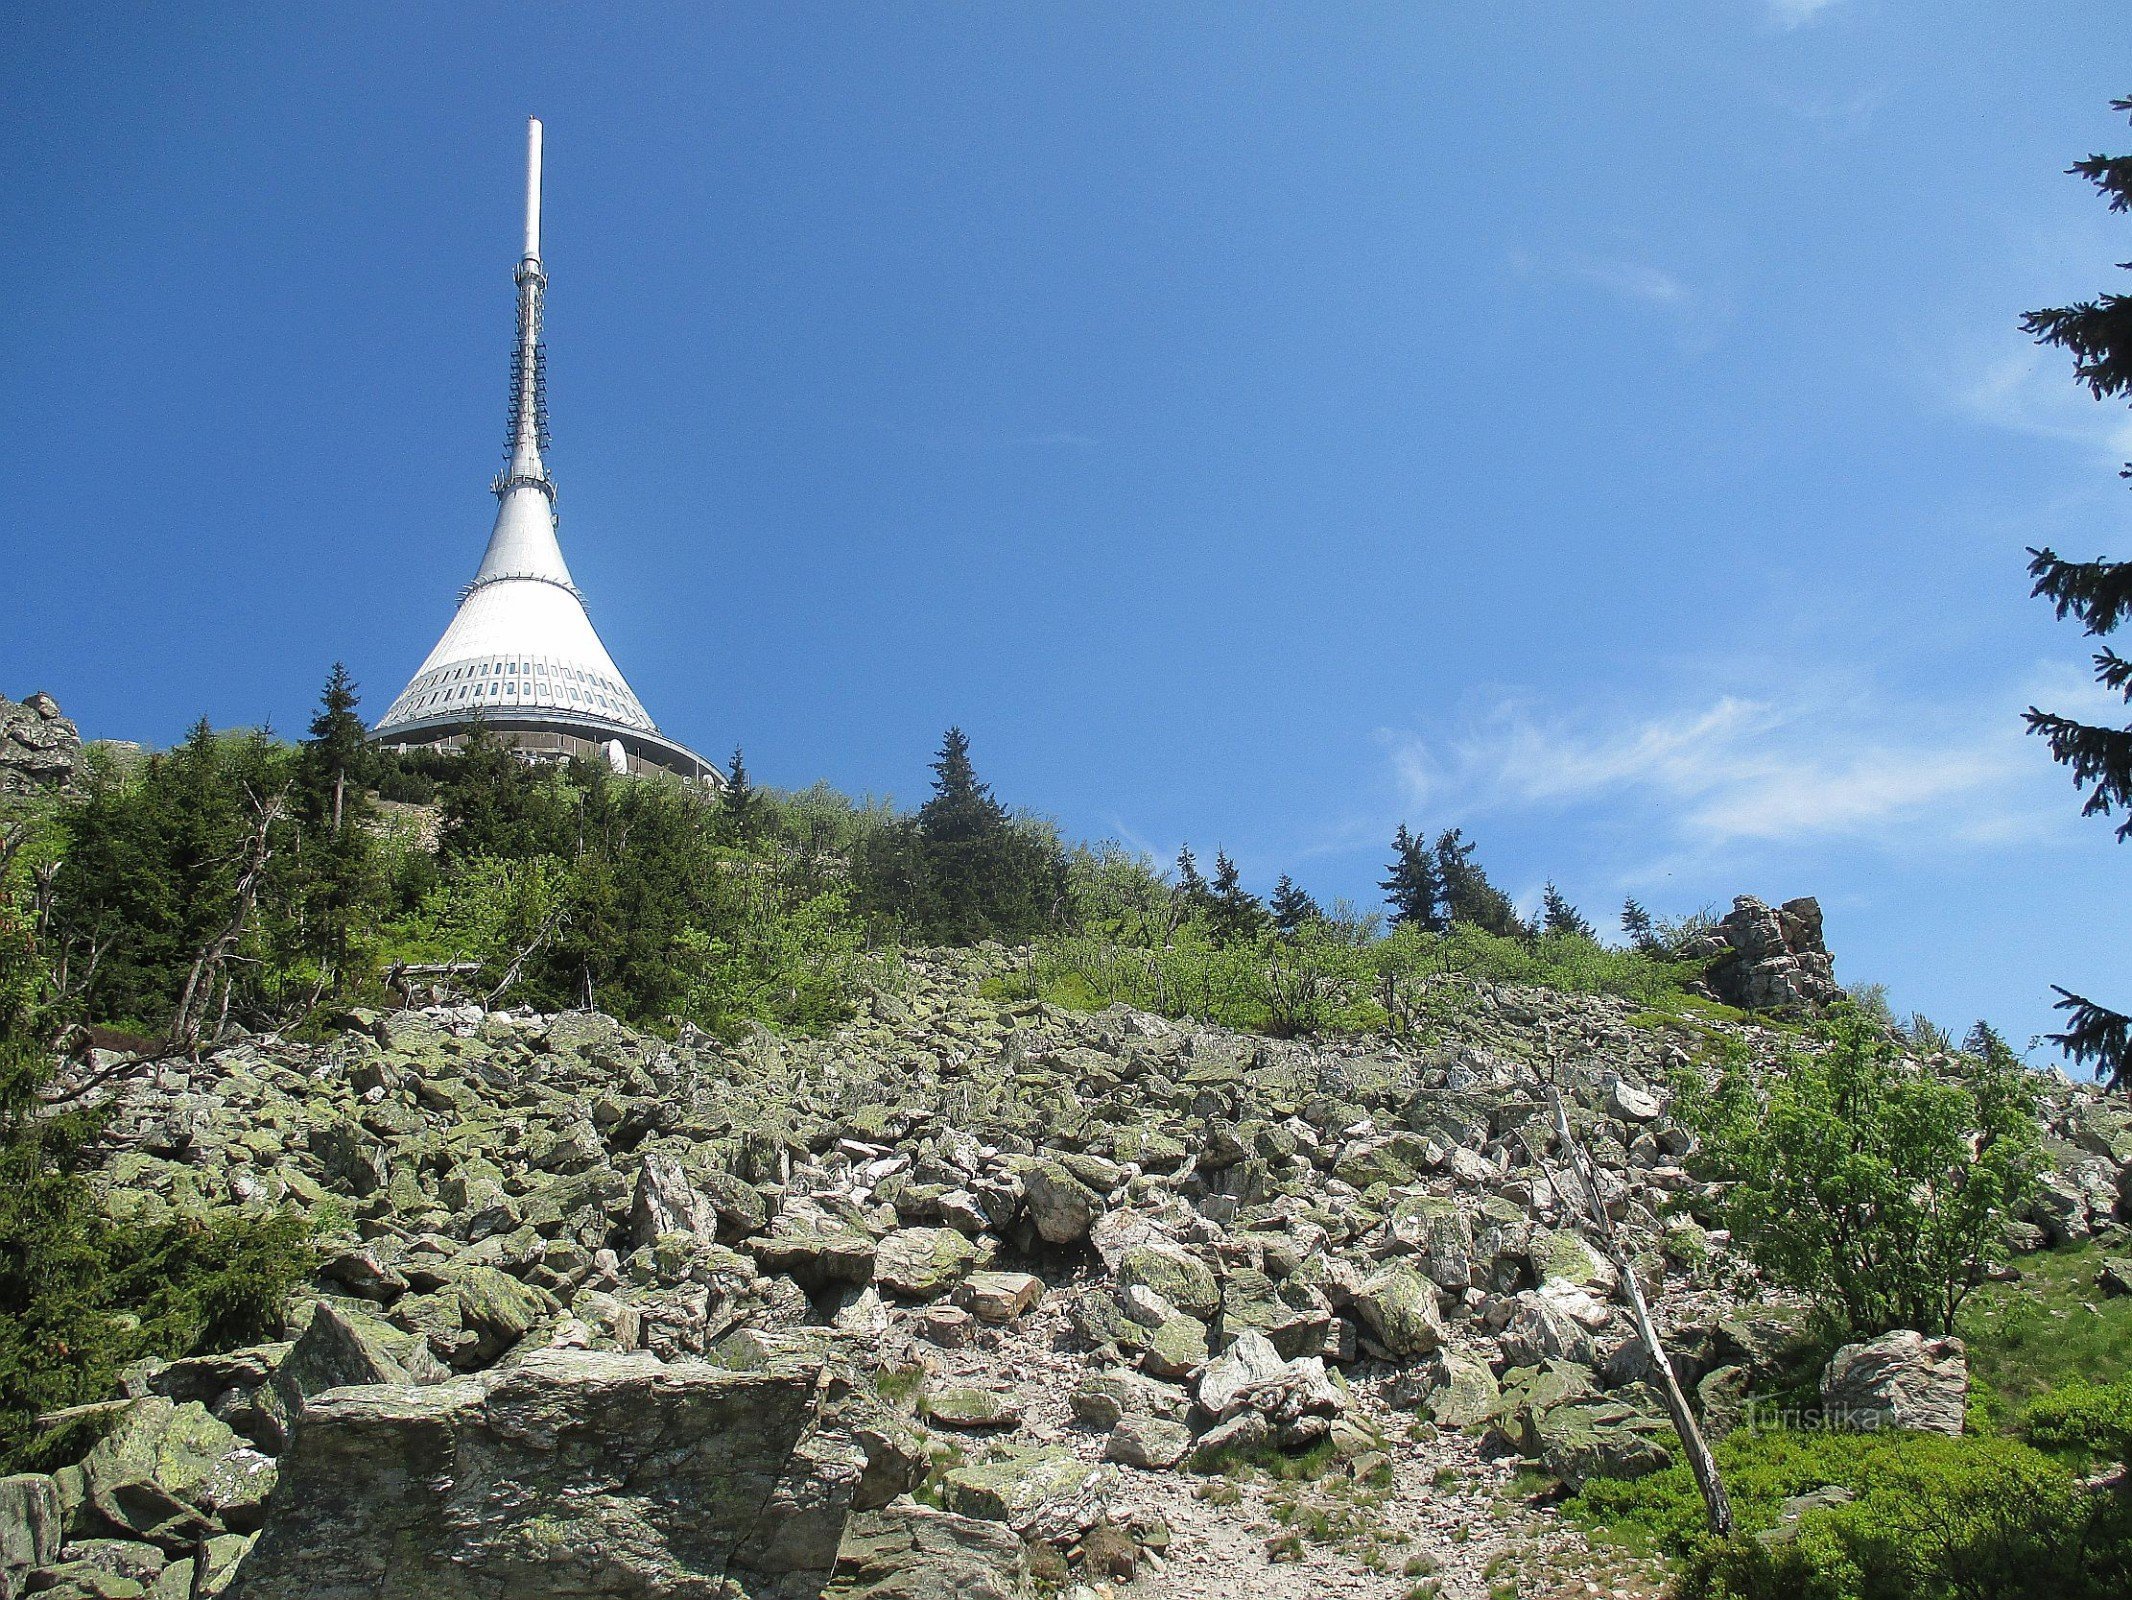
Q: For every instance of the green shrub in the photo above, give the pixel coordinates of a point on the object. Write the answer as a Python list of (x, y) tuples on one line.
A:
[(1878, 1188), (2086, 1421), (1960, 1518)]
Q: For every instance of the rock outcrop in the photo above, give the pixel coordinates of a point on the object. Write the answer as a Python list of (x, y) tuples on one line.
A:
[(39, 747), (1770, 959), (1900, 1380), (575, 1474)]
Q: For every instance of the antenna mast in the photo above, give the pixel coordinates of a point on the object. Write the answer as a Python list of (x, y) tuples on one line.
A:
[(528, 434)]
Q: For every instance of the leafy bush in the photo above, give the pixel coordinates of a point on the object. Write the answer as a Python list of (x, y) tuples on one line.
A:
[(1960, 1518), (1877, 1187), (2086, 1421)]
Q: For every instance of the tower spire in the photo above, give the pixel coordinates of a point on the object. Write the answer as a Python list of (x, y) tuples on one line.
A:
[(529, 365)]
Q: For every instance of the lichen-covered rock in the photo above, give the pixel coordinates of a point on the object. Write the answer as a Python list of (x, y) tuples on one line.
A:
[(1577, 1443), (144, 1480), (957, 1406), (1104, 1397), (1398, 1305), (1177, 1275), (912, 1552), (1061, 1207), (923, 1263), (1435, 1230), (1153, 1443), (39, 747), (1044, 1493), (30, 1527), (573, 1474), (815, 1248), (1176, 1348)]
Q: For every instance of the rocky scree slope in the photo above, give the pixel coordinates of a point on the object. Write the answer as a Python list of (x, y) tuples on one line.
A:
[(963, 1300)]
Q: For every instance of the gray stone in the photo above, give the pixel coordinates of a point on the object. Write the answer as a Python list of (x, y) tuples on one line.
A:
[(1398, 1305), (1061, 1207), (1900, 1380), (913, 1552), (1178, 1276), (39, 747), (664, 1201), (1771, 960), (30, 1527), (1152, 1443), (1467, 1395), (1000, 1296), (145, 1478), (923, 1263), (1042, 1493), (573, 1474)]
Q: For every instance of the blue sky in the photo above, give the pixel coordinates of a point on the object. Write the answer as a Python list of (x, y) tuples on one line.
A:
[(1604, 428)]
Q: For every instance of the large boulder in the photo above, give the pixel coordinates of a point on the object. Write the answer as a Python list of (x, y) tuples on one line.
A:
[(343, 1346), (1398, 1305), (666, 1202), (572, 1475), (39, 747), (923, 1263), (149, 1478), (1175, 1274), (912, 1552), (1060, 1206), (1900, 1380)]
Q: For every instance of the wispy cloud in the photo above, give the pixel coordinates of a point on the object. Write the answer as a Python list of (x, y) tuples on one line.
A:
[(1736, 771), (1629, 278), (1621, 277), (2024, 389), (1789, 14)]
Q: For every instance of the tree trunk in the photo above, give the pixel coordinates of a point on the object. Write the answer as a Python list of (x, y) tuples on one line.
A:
[(1700, 1460)]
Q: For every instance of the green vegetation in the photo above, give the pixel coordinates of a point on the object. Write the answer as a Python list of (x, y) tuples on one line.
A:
[(1918, 1516), (1877, 1188), (2049, 1327), (239, 878), (1881, 1189), (80, 1294)]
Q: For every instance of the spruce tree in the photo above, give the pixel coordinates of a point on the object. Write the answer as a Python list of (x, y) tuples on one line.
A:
[(1558, 916), (988, 876), (1413, 887), (962, 808), (740, 804), (1637, 926), (1469, 896), (338, 745), (2098, 335), (1192, 891), (1237, 915), (1293, 908)]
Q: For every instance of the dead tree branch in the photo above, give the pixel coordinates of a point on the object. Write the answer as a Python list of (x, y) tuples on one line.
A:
[(1700, 1461)]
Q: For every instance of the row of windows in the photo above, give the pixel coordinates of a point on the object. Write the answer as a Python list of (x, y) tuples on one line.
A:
[(520, 680)]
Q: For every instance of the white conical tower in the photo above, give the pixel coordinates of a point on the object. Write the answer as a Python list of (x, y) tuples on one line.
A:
[(521, 654)]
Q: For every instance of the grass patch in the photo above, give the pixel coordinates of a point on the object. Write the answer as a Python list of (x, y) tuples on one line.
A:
[(2051, 1327), (900, 1386), (1266, 1460)]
